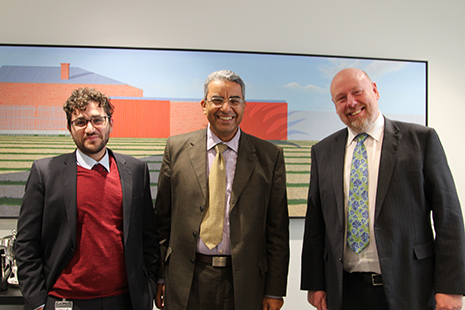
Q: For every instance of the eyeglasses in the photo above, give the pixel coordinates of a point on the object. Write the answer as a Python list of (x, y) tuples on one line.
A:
[(218, 102), (96, 121)]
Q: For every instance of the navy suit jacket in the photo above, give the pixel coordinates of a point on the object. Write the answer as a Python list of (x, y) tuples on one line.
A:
[(414, 181), (47, 228)]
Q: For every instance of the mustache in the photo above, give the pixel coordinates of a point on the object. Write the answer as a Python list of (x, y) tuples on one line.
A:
[(93, 134)]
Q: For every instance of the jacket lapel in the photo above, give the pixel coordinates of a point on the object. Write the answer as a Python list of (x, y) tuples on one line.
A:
[(197, 152), (68, 177), (337, 172), (246, 161), (387, 163)]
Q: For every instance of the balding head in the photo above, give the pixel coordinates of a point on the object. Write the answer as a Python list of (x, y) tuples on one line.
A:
[(355, 97)]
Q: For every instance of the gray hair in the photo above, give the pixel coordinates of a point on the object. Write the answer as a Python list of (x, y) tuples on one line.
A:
[(223, 75)]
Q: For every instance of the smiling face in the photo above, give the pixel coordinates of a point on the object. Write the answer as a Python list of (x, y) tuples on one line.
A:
[(225, 120), (356, 99), (90, 140)]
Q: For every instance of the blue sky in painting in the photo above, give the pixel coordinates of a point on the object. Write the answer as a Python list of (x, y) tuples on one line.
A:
[(301, 81)]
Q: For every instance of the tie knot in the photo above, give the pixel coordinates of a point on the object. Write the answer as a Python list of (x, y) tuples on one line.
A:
[(99, 167), (361, 138), (220, 147)]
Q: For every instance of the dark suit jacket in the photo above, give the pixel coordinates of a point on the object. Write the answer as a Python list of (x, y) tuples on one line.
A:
[(414, 180), (259, 223), (47, 228)]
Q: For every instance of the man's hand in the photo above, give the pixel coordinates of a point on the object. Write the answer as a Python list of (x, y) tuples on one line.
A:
[(272, 303), (160, 298), (448, 301), (317, 299)]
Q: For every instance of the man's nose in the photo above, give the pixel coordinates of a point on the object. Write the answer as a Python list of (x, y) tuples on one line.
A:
[(226, 107), (89, 127), (351, 101)]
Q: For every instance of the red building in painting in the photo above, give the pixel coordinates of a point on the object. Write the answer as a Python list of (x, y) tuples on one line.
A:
[(31, 100)]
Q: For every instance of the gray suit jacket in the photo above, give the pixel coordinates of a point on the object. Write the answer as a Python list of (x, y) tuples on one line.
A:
[(414, 180), (47, 228), (258, 219)]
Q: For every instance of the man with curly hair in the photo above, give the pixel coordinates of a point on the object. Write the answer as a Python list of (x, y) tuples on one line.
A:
[(87, 234)]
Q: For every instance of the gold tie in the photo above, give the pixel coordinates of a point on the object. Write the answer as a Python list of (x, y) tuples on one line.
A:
[(211, 230)]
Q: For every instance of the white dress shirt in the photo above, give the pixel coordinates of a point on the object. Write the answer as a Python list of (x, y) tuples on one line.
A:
[(88, 162), (230, 159), (367, 260)]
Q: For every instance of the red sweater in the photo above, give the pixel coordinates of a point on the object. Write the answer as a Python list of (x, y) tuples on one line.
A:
[(97, 268)]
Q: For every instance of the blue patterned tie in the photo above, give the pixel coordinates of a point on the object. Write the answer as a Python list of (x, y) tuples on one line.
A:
[(358, 233)]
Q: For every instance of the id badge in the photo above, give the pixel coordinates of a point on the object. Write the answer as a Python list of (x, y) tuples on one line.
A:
[(63, 305)]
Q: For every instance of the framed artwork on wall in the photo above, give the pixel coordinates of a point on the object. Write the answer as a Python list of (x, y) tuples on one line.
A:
[(157, 94)]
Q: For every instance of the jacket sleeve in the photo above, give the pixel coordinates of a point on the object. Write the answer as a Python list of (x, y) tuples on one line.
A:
[(151, 238), (313, 268), (163, 206), (449, 244), (28, 244), (277, 232)]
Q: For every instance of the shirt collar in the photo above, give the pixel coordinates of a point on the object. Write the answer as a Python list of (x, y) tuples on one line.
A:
[(88, 162), (213, 140), (375, 131)]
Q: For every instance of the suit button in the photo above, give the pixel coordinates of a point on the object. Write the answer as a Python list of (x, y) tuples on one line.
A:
[(192, 261), (201, 208), (194, 234), (72, 250)]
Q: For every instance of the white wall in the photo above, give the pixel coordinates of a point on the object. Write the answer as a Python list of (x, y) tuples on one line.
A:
[(426, 30)]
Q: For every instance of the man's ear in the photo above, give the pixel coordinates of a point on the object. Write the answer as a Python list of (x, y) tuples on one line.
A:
[(375, 90), (204, 108)]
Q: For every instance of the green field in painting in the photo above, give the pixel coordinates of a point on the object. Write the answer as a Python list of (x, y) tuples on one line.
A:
[(18, 152)]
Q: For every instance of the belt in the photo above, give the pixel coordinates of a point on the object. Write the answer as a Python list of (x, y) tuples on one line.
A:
[(215, 261), (374, 278), (120, 302)]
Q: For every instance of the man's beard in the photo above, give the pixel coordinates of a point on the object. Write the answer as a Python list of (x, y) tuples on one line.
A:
[(362, 125), (94, 148)]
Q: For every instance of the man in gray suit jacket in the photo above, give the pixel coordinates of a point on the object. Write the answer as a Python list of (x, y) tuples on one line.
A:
[(248, 268), (404, 264), (86, 230)]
